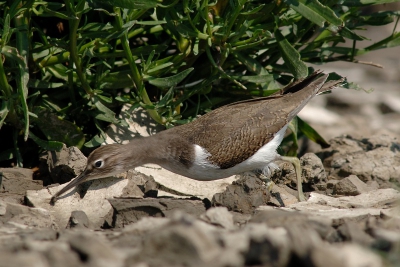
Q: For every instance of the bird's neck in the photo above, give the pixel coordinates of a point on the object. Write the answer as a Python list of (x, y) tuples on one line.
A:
[(144, 150)]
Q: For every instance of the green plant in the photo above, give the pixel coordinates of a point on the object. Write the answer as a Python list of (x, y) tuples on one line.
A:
[(175, 59)]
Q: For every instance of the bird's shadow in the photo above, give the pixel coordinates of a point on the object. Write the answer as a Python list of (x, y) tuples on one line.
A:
[(83, 188)]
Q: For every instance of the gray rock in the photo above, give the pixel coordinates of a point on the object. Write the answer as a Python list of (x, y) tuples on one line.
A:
[(303, 240), (131, 236), (182, 242), (371, 159), (244, 195), (60, 254), (65, 164), (28, 258), (326, 256), (78, 219), (127, 211), (17, 181), (354, 255), (352, 232), (15, 215), (219, 216), (312, 169), (280, 196), (93, 250), (91, 197), (268, 247), (312, 172), (350, 186), (275, 218)]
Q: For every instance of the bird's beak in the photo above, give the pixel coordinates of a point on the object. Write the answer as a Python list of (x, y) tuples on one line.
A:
[(78, 180)]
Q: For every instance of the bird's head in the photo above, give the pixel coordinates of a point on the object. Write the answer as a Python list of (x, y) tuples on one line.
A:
[(103, 162)]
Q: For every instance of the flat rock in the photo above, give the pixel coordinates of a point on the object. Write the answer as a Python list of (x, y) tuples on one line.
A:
[(23, 217), (371, 159), (369, 203), (346, 255), (280, 197), (94, 201), (380, 198), (219, 216), (33, 259), (94, 250), (183, 186), (128, 211), (181, 242), (18, 180), (350, 186)]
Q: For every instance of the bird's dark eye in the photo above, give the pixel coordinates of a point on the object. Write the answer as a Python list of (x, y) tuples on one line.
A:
[(99, 163)]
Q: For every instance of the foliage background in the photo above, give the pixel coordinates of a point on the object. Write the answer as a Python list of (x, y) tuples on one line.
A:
[(68, 66)]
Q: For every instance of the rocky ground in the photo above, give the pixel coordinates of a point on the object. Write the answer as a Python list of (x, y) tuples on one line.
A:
[(150, 217)]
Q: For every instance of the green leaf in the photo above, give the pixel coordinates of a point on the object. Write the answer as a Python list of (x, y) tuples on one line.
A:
[(291, 57), (6, 31), (367, 2), (253, 11), (47, 145), (311, 133), (391, 41), (95, 141), (43, 84), (170, 81), (314, 11), (346, 32), (250, 63), (256, 78), (104, 113), (131, 4), (166, 98), (4, 109)]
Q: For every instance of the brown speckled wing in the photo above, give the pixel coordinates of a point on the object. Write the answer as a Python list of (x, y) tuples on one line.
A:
[(233, 133)]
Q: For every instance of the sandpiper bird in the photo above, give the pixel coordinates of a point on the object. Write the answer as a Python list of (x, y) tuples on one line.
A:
[(232, 139)]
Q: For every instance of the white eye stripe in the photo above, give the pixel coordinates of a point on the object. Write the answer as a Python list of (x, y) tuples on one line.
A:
[(98, 163)]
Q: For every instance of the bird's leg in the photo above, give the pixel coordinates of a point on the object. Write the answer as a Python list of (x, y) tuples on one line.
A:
[(296, 163)]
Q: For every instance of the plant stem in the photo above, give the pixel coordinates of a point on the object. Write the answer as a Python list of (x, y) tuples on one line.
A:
[(136, 76), (73, 24)]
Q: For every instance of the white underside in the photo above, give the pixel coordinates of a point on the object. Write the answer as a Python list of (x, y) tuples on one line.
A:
[(263, 159)]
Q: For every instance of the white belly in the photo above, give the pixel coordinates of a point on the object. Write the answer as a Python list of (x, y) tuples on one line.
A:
[(263, 159)]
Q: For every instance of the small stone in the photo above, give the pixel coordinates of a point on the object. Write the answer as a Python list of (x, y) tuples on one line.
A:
[(18, 181), (92, 249), (352, 232), (23, 217), (65, 164), (280, 197), (268, 246), (182, 242), (350, 186), (78, 219), (244, 195), (128, 211), (28, 258), (312, 169), (219, 216)]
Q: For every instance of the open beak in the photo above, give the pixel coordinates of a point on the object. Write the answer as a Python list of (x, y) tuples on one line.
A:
[(78, 180)]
